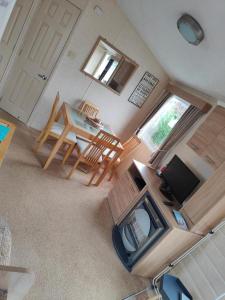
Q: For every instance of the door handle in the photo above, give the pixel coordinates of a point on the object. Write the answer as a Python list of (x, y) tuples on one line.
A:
[(42, 76)]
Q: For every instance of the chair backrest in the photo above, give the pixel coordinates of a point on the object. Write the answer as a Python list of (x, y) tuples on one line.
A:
[(102, 143), (53, 113), (129, 146), (89, 109)]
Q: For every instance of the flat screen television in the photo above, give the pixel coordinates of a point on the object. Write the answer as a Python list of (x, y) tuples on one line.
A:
[(180, 179)]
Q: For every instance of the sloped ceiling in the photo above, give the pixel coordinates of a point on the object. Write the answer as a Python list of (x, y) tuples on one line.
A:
[(201, 67)]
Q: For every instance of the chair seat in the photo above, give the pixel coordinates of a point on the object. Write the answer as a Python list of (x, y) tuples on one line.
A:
[(58, 128), (82, 145), (117, 162)]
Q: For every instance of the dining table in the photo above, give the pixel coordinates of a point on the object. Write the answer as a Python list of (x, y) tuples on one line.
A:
[(77, 122)]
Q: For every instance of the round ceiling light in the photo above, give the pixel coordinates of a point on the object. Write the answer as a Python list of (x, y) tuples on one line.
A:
[(190, 29)]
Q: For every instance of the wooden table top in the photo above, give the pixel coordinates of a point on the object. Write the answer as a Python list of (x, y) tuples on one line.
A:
[(79, 119), (4, 145), (82, 127)]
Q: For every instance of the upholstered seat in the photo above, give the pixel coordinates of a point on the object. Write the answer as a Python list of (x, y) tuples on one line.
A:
[(82, 145), (58, 128)]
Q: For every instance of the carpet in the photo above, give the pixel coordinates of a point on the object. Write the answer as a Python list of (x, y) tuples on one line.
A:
[(61, 229)]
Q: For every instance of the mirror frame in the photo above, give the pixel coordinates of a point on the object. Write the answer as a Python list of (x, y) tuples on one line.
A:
[(100, 38)]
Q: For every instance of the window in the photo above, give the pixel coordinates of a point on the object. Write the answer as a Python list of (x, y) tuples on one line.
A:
[(161, 124)]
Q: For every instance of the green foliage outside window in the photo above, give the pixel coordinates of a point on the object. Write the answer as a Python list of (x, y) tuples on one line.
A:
[(163, 129)]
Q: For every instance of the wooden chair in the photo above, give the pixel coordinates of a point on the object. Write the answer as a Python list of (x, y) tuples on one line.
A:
[(89, 109), (128, 146), (54, 129), (101, 147)]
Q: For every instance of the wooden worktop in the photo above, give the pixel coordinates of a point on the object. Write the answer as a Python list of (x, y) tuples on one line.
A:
[(4, 145)]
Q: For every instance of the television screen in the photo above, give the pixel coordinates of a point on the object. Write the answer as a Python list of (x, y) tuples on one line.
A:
[(180, 179)]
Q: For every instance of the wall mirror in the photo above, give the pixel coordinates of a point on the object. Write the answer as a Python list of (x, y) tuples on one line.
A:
[(109, 66)]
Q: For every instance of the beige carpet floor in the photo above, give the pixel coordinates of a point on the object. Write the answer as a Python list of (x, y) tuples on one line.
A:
[(61, 229)]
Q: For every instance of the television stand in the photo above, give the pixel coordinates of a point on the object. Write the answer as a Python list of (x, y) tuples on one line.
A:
[(168, 203)]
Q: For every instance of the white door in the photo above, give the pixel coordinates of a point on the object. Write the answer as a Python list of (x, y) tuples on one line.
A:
[(12, 32), (43, 45)]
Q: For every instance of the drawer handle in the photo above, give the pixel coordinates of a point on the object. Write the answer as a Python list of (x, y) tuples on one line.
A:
[(194, 147), (209, 160)]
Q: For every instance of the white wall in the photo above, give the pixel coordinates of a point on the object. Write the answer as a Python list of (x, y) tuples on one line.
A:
[(73, 85)]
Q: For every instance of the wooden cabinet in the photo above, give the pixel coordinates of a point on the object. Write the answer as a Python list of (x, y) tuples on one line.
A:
[(122, 196), (209, 139), (203, 211), (126, 193)]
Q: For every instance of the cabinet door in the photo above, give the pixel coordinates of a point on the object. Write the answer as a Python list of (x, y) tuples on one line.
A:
[(201, 139), (214, 154), (122, 197), (207, 141)]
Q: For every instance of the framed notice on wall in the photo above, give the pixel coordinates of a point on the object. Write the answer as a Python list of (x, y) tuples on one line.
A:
[(144, 88)]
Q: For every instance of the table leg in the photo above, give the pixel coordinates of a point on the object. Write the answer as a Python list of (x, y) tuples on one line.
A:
[(68, 153), (56, 147)]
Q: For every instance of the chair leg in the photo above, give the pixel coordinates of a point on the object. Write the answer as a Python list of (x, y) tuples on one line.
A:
[(56, 147), (95, 171), (102, 176), (73, 168), (113, 171), (68, 153), (38, 139), (41, 142)]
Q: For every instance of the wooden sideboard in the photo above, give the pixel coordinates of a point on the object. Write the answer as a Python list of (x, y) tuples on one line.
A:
[(125, 194), (209, 139)]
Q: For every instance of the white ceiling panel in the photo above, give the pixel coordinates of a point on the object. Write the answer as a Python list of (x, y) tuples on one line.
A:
[(201, 67)]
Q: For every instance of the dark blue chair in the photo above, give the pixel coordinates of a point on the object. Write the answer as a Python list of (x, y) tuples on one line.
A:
[(171, 288)]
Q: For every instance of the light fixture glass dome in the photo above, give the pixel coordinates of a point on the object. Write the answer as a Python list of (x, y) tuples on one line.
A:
[(190, 29)]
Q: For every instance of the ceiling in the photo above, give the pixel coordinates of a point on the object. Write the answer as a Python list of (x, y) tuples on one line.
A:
[(201, 67)]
